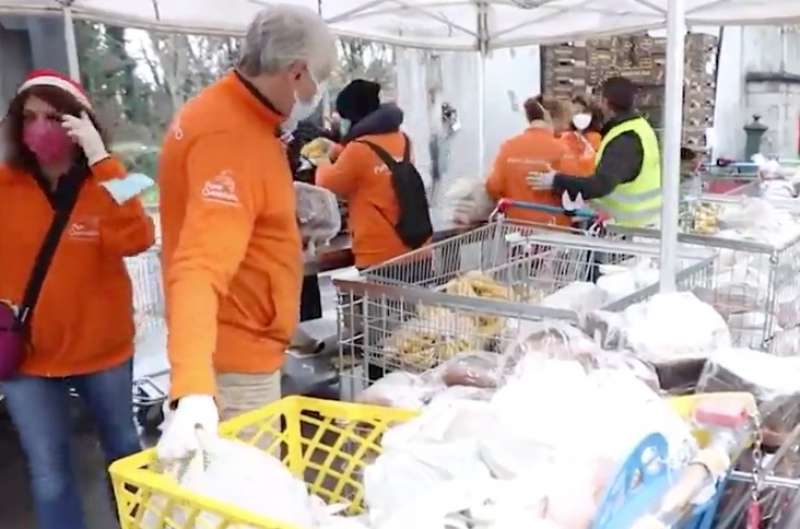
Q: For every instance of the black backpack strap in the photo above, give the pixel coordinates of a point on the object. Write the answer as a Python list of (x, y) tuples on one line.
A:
[(385, 157), (407, 152), (44, 258)]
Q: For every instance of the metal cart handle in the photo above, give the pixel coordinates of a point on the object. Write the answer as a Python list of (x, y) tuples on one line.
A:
[(506, 203)]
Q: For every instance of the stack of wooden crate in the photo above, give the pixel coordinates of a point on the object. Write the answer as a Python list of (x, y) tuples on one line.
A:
[(579, 68)]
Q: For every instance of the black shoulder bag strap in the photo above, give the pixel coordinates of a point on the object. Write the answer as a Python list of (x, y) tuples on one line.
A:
[(385, 157), (407, 152), (45, 257)]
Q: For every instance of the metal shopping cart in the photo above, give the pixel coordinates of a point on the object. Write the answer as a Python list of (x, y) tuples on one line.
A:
[(415, 311), (150, 364), (751, 277)]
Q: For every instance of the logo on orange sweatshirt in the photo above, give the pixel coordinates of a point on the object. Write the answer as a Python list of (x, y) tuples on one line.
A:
[(221, 188)]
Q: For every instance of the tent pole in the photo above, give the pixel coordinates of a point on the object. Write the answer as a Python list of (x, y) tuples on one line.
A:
[(673, 120), (481, 113), (71, 44), (483, 49)]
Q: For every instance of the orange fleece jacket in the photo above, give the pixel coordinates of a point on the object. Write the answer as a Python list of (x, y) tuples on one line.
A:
[(536, 149), (83, 321), (581, 153), (361, 178), (232, 256)]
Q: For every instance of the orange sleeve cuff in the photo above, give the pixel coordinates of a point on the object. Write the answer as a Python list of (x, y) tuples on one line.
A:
[(108, 169)]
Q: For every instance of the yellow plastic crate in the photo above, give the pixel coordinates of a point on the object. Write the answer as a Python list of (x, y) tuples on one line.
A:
[(327, 444)]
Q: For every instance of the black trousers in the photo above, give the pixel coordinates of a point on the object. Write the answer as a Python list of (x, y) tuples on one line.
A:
[(310, 299)]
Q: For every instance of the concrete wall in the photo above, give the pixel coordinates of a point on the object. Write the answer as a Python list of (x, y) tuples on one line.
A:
[(511, 77), (758, 50)]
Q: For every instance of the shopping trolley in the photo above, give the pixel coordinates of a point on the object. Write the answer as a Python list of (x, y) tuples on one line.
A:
[(411, 313), (329, 444), (749, 275), (150, 364)]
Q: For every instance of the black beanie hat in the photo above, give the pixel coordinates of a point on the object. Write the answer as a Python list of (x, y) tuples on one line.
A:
[(358, 99)]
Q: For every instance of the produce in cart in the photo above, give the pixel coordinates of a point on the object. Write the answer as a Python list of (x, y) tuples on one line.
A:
[(436, 334)]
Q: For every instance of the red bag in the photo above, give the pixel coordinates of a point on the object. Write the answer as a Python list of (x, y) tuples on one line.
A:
[(12, 341)]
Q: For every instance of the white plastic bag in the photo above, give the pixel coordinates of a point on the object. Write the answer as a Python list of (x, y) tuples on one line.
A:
[(578, 296), (238, 474), (673, 326)]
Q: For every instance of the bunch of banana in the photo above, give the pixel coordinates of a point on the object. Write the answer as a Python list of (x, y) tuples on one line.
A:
[(477, 285), (420, 345), (318, 151), (706, 219)]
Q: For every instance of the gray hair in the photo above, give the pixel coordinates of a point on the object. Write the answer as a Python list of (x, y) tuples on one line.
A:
[(283, 34)]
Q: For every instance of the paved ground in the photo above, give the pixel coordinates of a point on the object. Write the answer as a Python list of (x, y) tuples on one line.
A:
[(16, 508)]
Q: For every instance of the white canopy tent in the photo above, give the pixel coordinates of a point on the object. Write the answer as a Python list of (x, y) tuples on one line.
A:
[(463, 25), (435, 24)]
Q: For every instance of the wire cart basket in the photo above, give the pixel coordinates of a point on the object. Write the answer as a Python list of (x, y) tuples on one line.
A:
[(751, 279), (150, 366), (478, 291)]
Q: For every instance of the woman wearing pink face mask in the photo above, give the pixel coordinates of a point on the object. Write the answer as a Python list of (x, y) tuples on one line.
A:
[(57, 177)]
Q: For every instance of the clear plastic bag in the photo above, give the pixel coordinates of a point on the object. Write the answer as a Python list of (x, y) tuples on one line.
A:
[(478, 369), (548, 339), (317, 213), (400, 389)]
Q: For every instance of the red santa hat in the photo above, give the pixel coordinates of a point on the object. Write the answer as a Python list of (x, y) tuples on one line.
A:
[(46, 77)]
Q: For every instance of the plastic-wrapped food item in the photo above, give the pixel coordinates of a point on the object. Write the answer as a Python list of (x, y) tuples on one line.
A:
[(758, 220), (786, 342), (578, 296), (460, 393), (548, 339), (477, 369), (401, 390), (670, 326), (317, 213), (778, 189), (771, 379)]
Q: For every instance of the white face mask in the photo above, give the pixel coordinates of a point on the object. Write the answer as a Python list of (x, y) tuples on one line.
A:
[(582, 121), (302, 110)]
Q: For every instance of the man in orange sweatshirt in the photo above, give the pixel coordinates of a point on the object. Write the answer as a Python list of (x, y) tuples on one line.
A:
[(232, 251)]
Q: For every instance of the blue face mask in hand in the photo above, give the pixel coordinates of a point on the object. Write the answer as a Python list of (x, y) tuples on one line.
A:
[(344, 127)]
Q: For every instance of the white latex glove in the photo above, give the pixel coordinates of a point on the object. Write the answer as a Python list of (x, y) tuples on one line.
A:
[(84, 133), (124, 189), (541, 181), (180, 440), (572, 205)]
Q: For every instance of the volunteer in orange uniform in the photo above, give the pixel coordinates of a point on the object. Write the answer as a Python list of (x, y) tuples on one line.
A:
[(232, 250), (361, 178), (588, 120), (582, 138), (81, 330), (534, 150)]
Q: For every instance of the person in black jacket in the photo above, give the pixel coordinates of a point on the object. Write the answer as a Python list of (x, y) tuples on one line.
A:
[(306, 131), (621, 161)]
